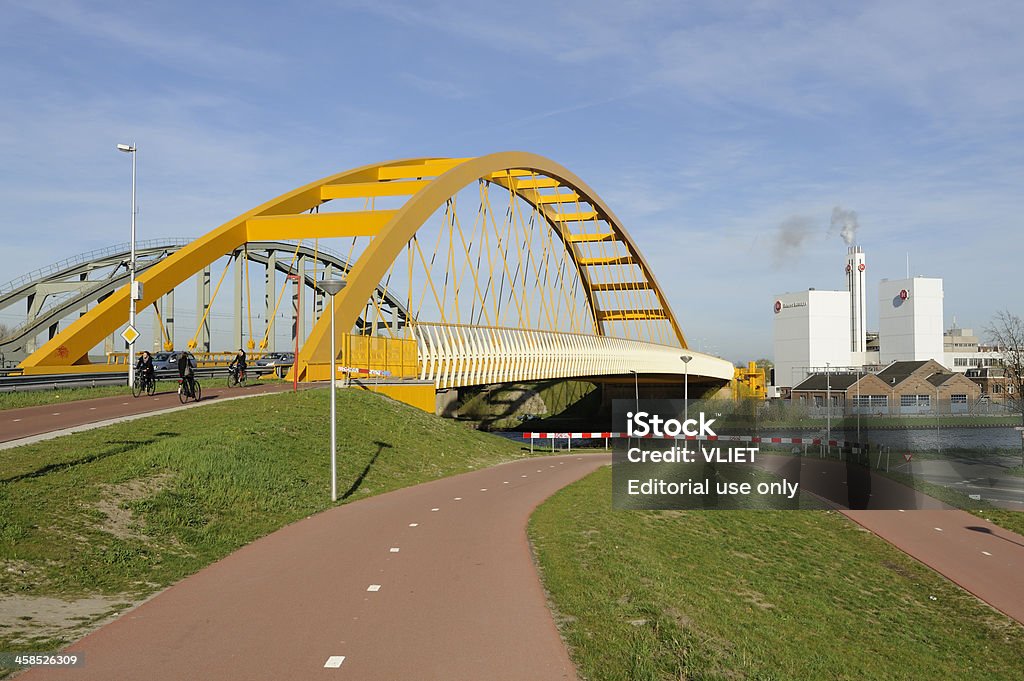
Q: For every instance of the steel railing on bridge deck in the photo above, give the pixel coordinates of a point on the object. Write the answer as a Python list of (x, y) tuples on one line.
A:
[(455, 355)]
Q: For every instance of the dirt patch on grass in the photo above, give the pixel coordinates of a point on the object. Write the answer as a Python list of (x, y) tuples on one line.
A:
[(25, 619), (120, 521)]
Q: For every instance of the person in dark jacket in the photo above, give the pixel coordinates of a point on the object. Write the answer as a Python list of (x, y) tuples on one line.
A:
[(144, 367), (186, 373)]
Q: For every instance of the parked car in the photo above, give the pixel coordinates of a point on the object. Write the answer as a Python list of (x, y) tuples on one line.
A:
[(274, 362), (166, 363)]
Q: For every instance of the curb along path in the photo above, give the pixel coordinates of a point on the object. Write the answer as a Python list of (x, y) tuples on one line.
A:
[(430, 582)]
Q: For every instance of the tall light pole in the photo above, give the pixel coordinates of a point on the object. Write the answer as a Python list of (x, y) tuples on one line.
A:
[(331, 288), (859, 406), (828, 403), (130, 149), (686, 386)]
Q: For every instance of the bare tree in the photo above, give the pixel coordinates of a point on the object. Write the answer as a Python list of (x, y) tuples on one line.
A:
[(1006, 330)]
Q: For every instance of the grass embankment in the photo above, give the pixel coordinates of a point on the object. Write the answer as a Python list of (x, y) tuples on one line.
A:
[(125, 510), (754, 595)]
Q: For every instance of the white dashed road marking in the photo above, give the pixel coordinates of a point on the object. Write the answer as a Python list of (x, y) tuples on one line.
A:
[(458, 498), (435, 509), (394, 549), (986, 553), (334, 661), (413, 524), (483, 489), (938, 529), (16, 420), (373, 587), (56, 413)]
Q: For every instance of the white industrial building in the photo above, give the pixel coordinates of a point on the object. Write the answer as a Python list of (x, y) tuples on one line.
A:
[(812, 329), (910, 320), (820, 330)]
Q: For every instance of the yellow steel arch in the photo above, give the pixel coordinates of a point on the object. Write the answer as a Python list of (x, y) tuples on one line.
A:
[(429, 182)]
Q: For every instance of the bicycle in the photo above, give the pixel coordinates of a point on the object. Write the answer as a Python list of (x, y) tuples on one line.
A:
[(144, 384), (236, 376), (189, 388)]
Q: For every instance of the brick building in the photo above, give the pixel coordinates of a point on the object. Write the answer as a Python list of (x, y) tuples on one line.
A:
[(901, 388)]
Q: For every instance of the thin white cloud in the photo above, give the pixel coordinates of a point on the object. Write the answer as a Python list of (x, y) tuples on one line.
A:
[(434, 87), (187, 50)]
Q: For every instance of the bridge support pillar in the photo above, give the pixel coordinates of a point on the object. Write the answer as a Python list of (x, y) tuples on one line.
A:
[(236, 337), (168, 310), (303, 262), (202, 306), (269, 298), (158, 325)]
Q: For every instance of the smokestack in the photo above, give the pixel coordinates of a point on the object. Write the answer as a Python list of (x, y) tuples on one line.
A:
[(855, 267)]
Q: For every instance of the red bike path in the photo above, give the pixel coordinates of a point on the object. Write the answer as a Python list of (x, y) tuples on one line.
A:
[(23, 424), (433, 582)]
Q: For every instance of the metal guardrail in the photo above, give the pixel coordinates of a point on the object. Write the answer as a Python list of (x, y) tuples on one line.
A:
[(91, 380)]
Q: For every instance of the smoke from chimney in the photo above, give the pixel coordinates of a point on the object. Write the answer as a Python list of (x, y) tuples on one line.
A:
[(845, 221), (793, 231)]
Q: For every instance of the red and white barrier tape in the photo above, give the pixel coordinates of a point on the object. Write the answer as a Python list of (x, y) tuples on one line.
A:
[(365, 372), (724, 438)]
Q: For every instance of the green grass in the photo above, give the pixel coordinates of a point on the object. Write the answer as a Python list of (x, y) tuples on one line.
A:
[(646, 595), (200, 484)]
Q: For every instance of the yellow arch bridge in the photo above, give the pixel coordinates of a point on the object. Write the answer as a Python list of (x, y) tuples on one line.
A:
[(500, 268)]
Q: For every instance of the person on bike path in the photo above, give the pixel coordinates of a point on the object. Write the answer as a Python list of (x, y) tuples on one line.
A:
[(185, 371), (238, 364), (144, 367)]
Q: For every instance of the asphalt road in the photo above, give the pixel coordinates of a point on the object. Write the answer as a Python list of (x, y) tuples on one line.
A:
[(989, 480)]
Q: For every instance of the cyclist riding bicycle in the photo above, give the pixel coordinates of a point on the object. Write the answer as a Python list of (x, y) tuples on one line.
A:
[(144, 367), (238, 365), (186, 373)]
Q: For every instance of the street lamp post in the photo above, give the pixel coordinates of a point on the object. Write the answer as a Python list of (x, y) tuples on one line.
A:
[(828, 403), (331, 288), (130, 149), (636, 387), (686, 386), (859, 407)]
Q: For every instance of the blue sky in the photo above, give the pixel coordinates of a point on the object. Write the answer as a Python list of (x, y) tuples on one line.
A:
[(723, 134)]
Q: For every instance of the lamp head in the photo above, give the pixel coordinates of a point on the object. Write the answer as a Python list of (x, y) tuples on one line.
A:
[(686, 358), (127, 148), (332, 286)]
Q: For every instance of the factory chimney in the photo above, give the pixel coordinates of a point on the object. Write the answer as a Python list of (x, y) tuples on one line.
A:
[(858, 308)]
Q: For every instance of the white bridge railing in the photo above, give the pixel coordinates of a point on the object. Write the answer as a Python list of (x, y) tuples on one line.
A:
[(453, 355)]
